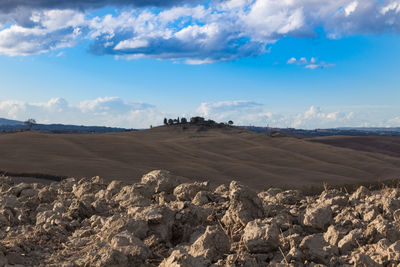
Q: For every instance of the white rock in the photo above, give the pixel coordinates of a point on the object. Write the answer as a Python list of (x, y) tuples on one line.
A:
[(116, 224), (133, 195), (160, 181), (187, 191), (295, 254), (333, 235), (201, 198), (393, 251), (361, 193), (260, 236), (319, 217), (212, 245), (317, 249), (132, 247), (47, 195), (181, 258), (362, 260), (350, 241), (114, 187), (390, 204), (289, 197), (244, 205)]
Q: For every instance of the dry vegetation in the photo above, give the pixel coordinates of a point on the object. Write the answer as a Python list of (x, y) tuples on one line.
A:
[(164, 222)]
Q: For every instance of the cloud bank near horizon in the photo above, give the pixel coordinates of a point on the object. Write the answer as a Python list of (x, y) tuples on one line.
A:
[(194, 32), (106, 111), (115, 112)]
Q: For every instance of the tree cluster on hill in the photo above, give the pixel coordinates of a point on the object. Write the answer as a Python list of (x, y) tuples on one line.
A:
[(194, 121), (177, 121), (30, 123)]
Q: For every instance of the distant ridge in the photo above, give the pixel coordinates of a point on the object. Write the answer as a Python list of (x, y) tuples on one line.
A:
[(7, 125), (344, 131), (15, 126), (10, 122), (376, 129)]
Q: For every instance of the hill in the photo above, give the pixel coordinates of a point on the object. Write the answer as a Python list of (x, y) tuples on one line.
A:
[(385, 145), (10, 122), (218, 155), (17, 126), (302, 133)]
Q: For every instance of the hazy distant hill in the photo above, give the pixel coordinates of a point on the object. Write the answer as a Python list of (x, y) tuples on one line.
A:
[(11, 126), (375, 129), (62, 128), (348, 131), (10, 122)]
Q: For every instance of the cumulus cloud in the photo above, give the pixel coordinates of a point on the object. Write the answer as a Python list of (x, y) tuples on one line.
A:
[(251, 113), (110, 106), (196, 35), (241, 111), (50, 30), (195, 32), (311, 64), (114, 111), (206, 109), (315, 117), (394, 122), (108, 111), (7, 6)]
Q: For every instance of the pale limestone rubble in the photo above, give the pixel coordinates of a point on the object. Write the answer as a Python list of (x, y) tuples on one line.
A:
[(163, 221)]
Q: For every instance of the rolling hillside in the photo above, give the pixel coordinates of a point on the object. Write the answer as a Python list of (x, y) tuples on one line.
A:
[(218, 155)]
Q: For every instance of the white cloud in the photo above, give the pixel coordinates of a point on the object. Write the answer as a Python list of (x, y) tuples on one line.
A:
[(52, 29), (391, 6), (350, 8), (114, 111), (53, 20), (110, 105), (195, 33), (315, 117), (394, 122), (109, 111), (251, 113), (292, 60), (131, 44), (227, 110), (311, 64), (199, 61), (301, 61), (266, 19)]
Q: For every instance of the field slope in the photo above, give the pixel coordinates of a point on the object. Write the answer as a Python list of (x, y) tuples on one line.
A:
[(218, 155)]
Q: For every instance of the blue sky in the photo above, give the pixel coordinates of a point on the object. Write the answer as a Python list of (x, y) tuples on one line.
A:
[(302, 64)]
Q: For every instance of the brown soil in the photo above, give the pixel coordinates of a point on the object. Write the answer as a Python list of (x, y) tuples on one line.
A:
[(217, 155), (384, 144)]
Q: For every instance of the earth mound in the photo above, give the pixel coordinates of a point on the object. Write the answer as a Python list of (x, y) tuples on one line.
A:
[(164, 222)]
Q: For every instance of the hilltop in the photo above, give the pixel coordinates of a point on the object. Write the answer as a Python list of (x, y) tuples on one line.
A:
[(215, 154)]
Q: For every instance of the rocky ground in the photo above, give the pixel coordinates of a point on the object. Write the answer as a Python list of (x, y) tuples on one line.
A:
[(163, 222)]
